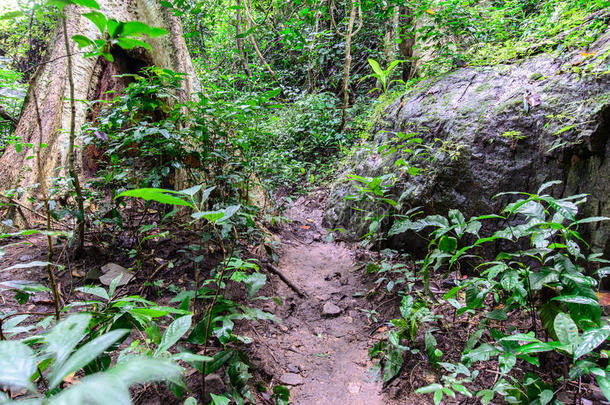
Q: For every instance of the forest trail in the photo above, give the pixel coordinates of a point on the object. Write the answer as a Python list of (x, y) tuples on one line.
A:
[(320, 348)]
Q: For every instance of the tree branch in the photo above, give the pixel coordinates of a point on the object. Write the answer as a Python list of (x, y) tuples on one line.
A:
[(8, 117)]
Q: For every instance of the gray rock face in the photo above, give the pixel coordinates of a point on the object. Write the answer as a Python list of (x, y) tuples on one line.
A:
[(494, 129)]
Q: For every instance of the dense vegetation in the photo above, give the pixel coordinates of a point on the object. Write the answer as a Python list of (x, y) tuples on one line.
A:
[(288, 90)]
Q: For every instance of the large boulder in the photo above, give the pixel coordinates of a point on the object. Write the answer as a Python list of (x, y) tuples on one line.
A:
[(494, 129)]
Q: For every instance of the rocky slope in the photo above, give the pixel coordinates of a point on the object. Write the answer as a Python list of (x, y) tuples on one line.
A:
[(494, 129)]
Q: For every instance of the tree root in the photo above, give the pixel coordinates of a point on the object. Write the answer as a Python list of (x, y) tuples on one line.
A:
[(289, 283)]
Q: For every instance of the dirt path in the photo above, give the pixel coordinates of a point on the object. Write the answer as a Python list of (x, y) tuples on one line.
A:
[(321, 348)]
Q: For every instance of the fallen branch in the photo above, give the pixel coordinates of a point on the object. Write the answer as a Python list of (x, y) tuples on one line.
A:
[(289, 283)]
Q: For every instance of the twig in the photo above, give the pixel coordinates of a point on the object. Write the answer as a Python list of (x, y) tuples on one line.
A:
[(154, 273), (289, 283), (14, 314)]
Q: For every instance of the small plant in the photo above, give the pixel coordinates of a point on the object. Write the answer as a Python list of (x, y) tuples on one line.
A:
[(383, 76), (42, 366)]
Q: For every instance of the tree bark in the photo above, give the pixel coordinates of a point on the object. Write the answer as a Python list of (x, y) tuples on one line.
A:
[(407, 42), (239, 40), (50, 86), (349, 34)]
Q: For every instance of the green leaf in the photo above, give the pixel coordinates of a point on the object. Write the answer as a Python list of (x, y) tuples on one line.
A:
[(130, 43), (590, 339), (173, 333), (254, 282), (85, 355), (538, 347), (447, 244), (376, 68), (98, 19), (230, 211), (142, 370), (82, 41), (219, 399), (604, 385), (212, 216), (566, 331), (64, 336), (482, 353), (96, 389), (576, 299), (507, 362), (520, 337), (218, 361), (509, 280), (86, 3), (17, 364), (11, 15), (545, 397), (429, 389), (97, 291), (131, 28), (192, 190), (155, 194), (28, 265)]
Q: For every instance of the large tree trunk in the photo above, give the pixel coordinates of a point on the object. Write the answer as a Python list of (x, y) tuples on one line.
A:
[(93, 77)]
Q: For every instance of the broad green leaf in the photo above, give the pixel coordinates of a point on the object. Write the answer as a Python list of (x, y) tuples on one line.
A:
[(155, 194), (85, 355), (537, 347), (254, 282), (393, 363), (192, 358), (142, 370), (482, 353), (545, 397), (218, 361), (590, 339), (212, 216), (230, 211), (604, 385), (98, 19), (97, 291), (192, 190), (29, 265), (219, 399), (507, 362), (17, 364), (375, 66), (139, 28), (130, 43), (96, 389), (64, 336), (447, 244), (520, 337), (173, 333), (429, 389), (566, 331), (509, 280), (11, 15), (85, 3), (576, 299), (547, 185)]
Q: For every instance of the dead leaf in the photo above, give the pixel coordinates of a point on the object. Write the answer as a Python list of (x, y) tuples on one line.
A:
[(305, 227), (71, 379), (78, 274), (604, 298)]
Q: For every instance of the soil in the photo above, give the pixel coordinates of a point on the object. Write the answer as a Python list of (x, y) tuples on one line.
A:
[(320, 348)]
